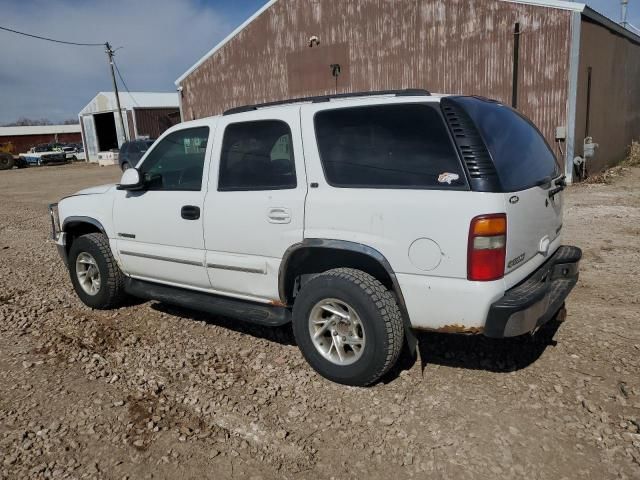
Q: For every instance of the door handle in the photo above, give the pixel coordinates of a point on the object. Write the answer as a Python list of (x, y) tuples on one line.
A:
[(279, 215), (190, 212)]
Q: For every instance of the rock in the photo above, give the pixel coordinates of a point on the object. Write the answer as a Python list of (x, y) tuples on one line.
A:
[(356, 418), (591, 408), (387, 421), (281, 434)]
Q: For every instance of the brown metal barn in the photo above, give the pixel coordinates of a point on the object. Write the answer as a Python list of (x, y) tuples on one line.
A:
[(574, 72)]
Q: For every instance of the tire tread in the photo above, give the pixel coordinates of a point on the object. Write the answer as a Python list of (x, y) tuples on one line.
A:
[(386, 305), (115, 279)]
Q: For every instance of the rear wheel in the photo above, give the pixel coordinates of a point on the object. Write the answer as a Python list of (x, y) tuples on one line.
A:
[(95, 275), (6, 161), (348, 326)]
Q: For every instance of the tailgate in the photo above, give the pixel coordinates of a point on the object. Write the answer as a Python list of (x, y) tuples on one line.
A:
[(534, 221)]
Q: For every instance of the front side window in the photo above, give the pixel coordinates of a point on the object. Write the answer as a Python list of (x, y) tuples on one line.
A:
[(387, 146), (257, 156), (177, 162)]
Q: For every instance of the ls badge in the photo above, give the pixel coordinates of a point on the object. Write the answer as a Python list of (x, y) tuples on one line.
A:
[(513, 200)]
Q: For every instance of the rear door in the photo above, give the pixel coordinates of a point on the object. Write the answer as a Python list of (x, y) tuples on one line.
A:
[(528, 174), (255, 205)]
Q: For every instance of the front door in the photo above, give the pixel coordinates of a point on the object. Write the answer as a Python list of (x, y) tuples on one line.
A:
[(255, 204), (160, 229)]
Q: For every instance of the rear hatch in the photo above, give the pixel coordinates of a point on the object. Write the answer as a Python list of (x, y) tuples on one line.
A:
[(525, 171)]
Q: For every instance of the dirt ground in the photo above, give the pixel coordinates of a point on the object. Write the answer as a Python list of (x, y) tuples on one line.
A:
[(152, 391)]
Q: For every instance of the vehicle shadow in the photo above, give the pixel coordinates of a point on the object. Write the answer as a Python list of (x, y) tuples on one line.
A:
[(476, 352), (282, 335), (471, 352)]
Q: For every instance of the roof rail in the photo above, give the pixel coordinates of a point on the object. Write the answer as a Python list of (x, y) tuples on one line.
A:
[(409, 92)]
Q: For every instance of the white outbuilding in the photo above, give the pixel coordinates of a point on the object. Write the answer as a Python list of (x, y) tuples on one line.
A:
[(145, 115)]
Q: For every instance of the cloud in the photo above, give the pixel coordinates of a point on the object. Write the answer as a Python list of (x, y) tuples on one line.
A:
[(160, 40)]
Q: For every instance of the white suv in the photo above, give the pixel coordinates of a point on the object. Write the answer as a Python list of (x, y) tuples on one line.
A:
[(355, 217)]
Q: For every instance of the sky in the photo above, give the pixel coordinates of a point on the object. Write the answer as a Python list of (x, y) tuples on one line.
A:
[(160, 40)]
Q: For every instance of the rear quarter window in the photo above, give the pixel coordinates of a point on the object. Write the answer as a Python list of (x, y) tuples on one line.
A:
[(520, 153), (387, 146)]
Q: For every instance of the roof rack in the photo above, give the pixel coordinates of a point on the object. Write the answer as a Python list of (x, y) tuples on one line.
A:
[(409, 92)]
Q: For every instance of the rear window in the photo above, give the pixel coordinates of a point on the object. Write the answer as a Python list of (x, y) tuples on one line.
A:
[(521, 155), (387, 146)]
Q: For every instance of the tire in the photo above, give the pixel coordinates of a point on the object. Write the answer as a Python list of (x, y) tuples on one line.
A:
[(376, 312), (6, 161), (110, 292)]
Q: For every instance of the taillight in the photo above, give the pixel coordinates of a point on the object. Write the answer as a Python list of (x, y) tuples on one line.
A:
[(487, 247)]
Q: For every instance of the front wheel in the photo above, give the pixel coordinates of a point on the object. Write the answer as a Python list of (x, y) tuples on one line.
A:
[(95, 275), (348, 326)]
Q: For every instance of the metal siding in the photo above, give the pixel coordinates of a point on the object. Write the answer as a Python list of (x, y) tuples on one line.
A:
[(449, 46), (22, 143), (615, 94), (130, 125), (152, 122)]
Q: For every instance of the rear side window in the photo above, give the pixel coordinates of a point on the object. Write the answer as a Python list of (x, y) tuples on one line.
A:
[(257, 156), (387, 146), (520, 153)]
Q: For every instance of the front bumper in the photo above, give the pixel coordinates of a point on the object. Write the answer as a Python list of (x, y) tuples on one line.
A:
[(532, 303), (57, 235)]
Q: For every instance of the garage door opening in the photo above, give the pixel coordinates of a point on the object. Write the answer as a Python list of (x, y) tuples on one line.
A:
[(106, 131)]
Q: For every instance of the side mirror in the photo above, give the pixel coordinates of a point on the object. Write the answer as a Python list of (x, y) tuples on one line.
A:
[(131, 180)]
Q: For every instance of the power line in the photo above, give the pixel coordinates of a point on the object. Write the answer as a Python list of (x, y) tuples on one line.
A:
[(633, 27), (53, 39), (124, 83)]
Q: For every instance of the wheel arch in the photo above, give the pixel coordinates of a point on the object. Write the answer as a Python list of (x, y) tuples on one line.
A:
[(75, 227), (316, 255)]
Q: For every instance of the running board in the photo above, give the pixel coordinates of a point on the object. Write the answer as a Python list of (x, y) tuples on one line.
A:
[(267, 315)]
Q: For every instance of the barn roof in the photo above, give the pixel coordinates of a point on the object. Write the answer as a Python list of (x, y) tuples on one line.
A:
[(106, 101), (557, 4), (38, 130)]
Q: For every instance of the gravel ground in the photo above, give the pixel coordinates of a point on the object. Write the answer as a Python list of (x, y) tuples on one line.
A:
[(152, 391)]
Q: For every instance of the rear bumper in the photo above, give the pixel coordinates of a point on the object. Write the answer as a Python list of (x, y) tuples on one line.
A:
[(532, 303)]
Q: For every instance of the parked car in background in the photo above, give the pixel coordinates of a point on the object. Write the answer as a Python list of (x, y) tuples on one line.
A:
[(44, 155), (71, 152), (131, 152)]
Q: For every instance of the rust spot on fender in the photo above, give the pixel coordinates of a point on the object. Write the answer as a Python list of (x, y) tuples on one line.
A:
[(277, 303)]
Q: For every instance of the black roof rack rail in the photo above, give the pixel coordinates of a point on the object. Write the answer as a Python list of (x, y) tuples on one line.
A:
[(409, 92)]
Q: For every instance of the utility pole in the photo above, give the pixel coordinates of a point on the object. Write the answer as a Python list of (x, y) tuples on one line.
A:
[(624, 4), (110, 52)]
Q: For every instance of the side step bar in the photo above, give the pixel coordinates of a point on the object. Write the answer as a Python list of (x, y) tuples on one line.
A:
[(267, 315)]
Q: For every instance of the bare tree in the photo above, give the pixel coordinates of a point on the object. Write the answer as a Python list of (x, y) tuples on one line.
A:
[(25, 122)]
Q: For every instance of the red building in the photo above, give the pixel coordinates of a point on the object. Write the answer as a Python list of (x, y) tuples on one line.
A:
[(23, 138)]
